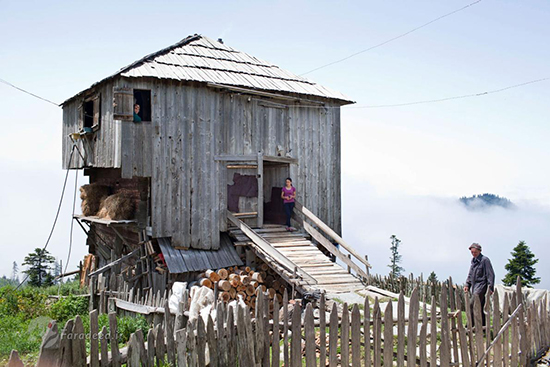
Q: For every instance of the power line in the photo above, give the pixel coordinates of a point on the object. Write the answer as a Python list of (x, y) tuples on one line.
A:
[(24, 91), (392, 39), (56, 215), (455, 97)]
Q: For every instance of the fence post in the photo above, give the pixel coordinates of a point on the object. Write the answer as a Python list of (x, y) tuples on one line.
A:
[(414, 306), (65, 345), (377, 334), (169, 327), (388, 335), (366, 332), (333, 336), (181, 347), (401, 330), (212, 345), (113, 333), (355, 336), (309, 331), (275, 354), (49, 349)]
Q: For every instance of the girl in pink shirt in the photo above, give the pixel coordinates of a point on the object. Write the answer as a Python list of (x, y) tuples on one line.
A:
[(288, 194)]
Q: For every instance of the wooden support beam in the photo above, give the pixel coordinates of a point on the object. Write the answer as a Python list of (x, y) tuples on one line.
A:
[(114, 263), (260, 219)]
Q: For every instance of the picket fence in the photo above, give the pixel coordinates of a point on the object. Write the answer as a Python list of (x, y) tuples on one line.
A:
[(401, 332)]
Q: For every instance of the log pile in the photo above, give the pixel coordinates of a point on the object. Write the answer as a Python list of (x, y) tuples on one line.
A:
[(244, 281)]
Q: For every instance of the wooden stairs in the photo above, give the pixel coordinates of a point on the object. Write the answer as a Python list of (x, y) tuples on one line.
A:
[(313, 270)]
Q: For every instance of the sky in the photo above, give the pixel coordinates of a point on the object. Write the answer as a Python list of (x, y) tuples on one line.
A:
[(403, 167)]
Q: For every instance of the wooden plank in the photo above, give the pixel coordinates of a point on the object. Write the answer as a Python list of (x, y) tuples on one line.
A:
[(94, 341), (497, 354), (296, 330), (245, 354), (268, 249), (464, 352), (286, 355), (309, 330), (333, 337), (413, 326), (115, 353), (104, 347), (275, 351), (169, 327), (78, 343), (367, 332), (401, 331), (445, 348), (181, 347), (355, 336), (344, 335), (231, 334), (212, 343), (388, 336), (201, 342), (422, 347), (260, 190), (433, 335)]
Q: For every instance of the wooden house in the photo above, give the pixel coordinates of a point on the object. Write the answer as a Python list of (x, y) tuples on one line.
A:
[(220, 131)]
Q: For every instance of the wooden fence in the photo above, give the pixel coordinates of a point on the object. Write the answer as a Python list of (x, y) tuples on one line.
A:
[(370, 334)]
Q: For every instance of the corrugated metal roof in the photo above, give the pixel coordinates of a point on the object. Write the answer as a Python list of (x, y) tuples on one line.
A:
[(184, 261), (200, 59)]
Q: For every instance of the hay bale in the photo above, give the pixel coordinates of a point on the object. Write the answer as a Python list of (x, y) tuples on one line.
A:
[(94, 192), (117, 207), (92, 195)]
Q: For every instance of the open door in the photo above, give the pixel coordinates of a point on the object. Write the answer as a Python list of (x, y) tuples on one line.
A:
[(245, 191), (254, 186)]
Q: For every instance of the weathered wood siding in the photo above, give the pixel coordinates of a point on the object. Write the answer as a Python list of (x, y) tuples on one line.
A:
[(191, 124), (103, 147)]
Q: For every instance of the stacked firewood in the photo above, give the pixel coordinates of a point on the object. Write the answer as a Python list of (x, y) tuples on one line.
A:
[(244, 282)]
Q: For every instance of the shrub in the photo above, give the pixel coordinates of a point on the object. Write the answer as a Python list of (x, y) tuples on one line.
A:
[(65, 289), (27, 302), (68, 307)]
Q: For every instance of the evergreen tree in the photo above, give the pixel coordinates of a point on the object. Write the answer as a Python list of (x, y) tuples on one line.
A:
[(521, 264), (39, 263), (15, 272), (395, 258), (432, 278)]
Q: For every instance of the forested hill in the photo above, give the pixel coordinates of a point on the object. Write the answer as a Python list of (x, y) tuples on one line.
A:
[(486, 200)]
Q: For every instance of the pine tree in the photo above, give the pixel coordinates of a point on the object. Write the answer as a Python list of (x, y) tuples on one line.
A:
[(14, 273), (395, 258), (521, 264), (39, 263), (432, 279)]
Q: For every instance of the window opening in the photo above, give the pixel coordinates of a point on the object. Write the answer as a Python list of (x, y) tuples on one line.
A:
[(89, 113), (142, 98)]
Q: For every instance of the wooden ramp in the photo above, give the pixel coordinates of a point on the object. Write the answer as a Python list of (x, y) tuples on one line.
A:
[(297, 247)]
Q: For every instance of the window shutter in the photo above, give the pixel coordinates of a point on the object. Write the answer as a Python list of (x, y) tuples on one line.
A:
[(97, 110), (123, 103), (81, 117)]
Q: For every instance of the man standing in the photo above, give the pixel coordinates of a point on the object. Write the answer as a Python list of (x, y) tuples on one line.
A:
[(480, 278)]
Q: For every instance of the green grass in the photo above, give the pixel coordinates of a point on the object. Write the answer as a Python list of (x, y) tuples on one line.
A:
[(26, 312)]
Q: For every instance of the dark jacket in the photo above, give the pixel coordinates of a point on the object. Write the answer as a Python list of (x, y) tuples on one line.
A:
[(481, 275)]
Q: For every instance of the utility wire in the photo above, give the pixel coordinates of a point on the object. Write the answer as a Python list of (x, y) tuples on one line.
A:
[(71, 231), (393, 39), (56, 215), (32, 94), (456, 97)]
